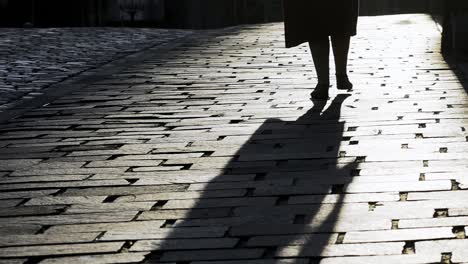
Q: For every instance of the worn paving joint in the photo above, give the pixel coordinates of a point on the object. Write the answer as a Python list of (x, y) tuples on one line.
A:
[(372, 206), (34, 260), (422, 177), (438, 213), (403, 196), (455, 185), (446, 258), (459, 231), (340, 238), (409, 248)]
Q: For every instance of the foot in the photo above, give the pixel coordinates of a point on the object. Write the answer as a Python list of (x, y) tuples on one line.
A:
[(343, 83), (320, 92)]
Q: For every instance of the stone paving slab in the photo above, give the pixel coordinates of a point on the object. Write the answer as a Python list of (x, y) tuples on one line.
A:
[(210, 151), (34, 59)]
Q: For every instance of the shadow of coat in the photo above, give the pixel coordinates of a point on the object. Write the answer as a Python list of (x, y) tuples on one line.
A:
[(287, 186)]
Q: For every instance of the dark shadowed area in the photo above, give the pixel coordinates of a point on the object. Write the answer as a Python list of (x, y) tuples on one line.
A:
[(252, 209)]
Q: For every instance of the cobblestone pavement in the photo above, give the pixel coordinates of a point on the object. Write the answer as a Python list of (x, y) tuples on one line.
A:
[(213, 153), (33, 59)]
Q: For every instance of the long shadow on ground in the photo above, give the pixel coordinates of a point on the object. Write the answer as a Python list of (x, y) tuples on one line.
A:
[(288, 169)]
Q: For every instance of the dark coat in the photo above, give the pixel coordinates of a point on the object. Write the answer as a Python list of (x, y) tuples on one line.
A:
[(306, 20)]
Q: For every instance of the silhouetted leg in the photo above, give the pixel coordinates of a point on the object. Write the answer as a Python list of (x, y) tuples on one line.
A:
[(320, 50), (340, 51)]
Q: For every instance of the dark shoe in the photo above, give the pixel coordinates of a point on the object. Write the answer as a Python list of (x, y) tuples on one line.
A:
[(343, 83), (320, 92)]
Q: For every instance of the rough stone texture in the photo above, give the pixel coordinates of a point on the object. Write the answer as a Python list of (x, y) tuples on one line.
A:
[(99, 259), (60, 249), (208, 150), (33, 59)]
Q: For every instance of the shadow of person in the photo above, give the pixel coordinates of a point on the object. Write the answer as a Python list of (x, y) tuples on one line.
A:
[(284, 204)]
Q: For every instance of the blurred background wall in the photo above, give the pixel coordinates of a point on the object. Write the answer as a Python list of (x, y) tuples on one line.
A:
[(204, 14), (176, 13), (76, 13)]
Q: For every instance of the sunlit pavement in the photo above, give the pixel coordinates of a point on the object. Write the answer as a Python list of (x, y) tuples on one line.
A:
[(212, 152)]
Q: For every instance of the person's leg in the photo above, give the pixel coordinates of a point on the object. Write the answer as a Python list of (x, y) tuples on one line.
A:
[(340, 51), (320, 49)]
